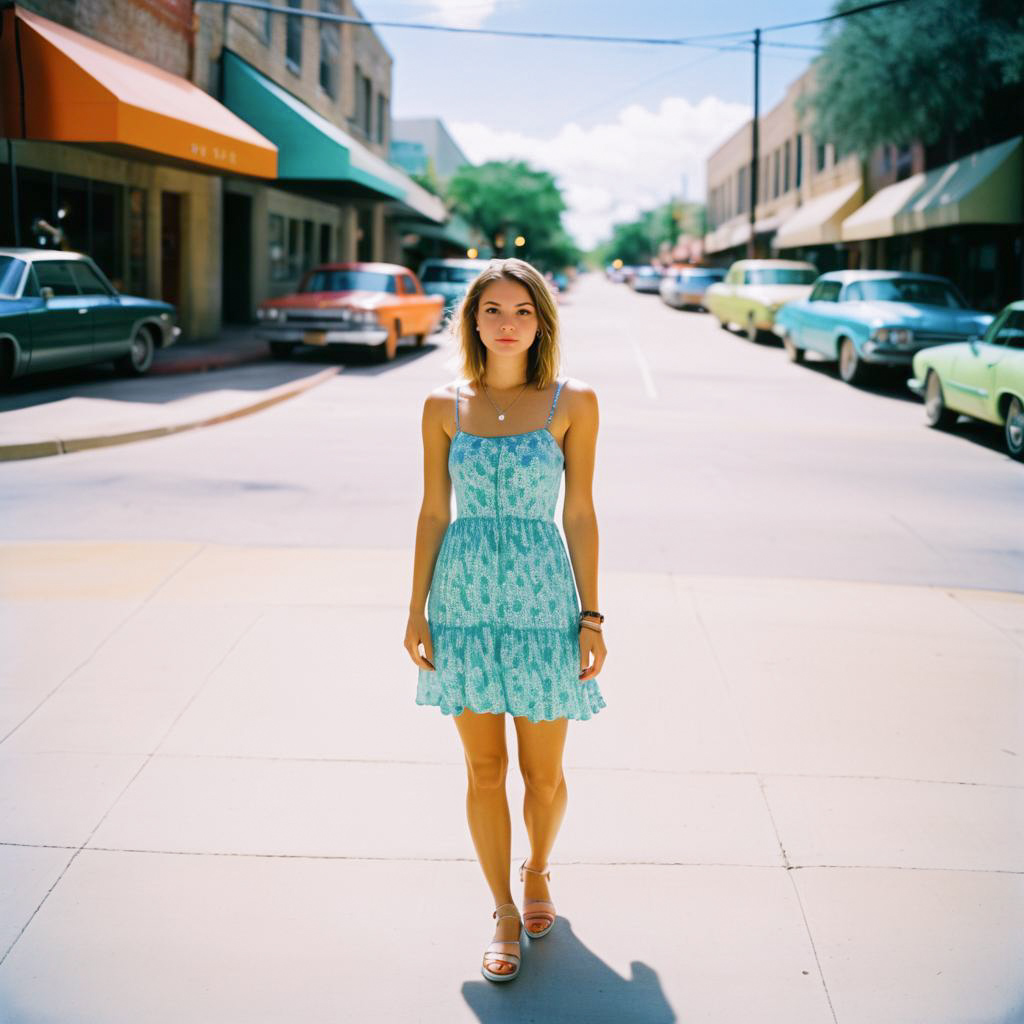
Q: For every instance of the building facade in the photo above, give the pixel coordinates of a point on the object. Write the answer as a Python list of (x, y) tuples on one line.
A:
[(241, 211), (955, 208)]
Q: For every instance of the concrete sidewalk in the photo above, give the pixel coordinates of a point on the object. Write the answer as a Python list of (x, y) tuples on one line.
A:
[(804, 802), (234, 346), (98, 413)]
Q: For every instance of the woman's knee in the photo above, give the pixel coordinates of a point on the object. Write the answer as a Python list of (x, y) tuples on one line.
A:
[(544, 786), (487, 772)]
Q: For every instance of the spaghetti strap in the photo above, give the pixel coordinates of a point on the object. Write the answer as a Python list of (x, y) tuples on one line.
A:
[(457, 386), (554, 401)]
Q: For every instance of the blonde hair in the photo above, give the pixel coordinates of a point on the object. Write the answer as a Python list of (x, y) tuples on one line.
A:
[(543, 356)]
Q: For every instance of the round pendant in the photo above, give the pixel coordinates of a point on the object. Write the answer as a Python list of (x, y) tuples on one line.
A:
[(501, 416)]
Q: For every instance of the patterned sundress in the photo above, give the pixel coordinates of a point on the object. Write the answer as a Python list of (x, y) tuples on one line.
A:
[(503, 609)]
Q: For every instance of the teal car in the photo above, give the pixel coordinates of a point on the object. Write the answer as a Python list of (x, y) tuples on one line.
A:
[(58, 310), (449, 278), (869, 318), (982, 378)]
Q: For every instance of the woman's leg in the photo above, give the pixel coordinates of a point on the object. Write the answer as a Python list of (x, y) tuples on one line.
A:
[(540, 759), (490, 825)]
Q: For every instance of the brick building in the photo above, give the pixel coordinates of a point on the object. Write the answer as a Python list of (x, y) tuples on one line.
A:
[(283, 129)]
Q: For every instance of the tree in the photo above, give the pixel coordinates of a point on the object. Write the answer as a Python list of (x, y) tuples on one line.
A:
[(505, 199), (913, 71)]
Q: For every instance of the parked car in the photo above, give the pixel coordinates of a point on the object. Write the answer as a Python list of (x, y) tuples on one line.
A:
[(754, 290), (982, 378), (351, 303), (685, 287), (646, 279), (865, 318), (58, 310), (449, 278)]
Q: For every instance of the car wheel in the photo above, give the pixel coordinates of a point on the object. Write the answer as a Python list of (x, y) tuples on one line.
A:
[(420, 340), (6, 362), (794, 354), (139, 357), (751, 331), (852, 369), (935, 410), (1015, 429), (282, 349)]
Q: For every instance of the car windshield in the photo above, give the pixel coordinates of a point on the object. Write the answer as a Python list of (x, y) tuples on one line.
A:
[(348, 281), (698, 277), (10, 276), (909, 289), (448, 275), (781, 275)]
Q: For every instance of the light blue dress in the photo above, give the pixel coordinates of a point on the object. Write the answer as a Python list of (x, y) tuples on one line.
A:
[(503, 610)]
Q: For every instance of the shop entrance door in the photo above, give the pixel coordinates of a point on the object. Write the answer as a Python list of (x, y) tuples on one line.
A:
[(170, 248), (236, 251)]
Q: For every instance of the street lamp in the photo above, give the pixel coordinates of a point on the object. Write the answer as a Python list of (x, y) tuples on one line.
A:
[(520, 241), (472, 254)]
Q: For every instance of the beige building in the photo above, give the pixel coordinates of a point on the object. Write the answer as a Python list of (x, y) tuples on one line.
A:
[(804, 190), (127, 147)]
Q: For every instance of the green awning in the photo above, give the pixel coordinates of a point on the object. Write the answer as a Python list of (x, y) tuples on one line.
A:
[(455, 231), (981, 188), (312, 148)]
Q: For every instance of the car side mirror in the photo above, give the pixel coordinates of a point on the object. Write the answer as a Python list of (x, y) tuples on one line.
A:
[(46, 293)]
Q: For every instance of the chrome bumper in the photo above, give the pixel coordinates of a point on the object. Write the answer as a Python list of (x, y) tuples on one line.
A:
[(917, 386), (326, 336)]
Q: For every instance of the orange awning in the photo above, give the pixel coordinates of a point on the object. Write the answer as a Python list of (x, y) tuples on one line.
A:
[(79, 90)]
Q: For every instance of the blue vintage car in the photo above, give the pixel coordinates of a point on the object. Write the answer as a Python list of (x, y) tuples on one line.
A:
[(57, 309), (865, 318)]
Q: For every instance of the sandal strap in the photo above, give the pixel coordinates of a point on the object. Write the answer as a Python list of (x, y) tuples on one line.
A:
[(533, 871), (502, 907), (504, 942), (501, 958)]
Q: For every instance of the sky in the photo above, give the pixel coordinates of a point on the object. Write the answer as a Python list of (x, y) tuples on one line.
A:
[(622, 126)]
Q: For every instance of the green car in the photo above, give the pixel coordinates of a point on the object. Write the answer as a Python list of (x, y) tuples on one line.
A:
[(982, 378), (57, 309)]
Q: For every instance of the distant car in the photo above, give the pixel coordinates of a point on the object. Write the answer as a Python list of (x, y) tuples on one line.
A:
[(351, 303), (982, 378), (685, 287), (58, 310), (754, 290), (561, 280), (646, 279), (449, 278), (865, 318)]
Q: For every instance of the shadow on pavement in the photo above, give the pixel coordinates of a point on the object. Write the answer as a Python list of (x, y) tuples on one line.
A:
[(562, 980)]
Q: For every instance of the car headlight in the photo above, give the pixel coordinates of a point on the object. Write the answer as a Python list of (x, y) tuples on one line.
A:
[(893, 335), (363, 316)]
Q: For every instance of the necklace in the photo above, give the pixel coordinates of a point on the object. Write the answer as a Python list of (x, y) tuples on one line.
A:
[(501, 412)]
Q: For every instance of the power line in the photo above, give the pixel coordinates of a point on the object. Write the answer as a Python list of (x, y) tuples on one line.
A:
[(698, 42)]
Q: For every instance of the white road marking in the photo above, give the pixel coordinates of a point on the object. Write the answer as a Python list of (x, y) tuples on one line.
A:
[(645, 372)]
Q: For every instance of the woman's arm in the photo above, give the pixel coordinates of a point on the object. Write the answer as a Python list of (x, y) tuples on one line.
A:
[(434, 518), (579, 520)]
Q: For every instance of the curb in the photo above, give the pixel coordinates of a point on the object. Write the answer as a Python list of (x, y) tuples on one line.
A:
[(41, 449)]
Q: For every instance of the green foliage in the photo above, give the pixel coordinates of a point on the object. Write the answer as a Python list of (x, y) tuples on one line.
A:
[(913, 71), (508, 198), (638, 242)]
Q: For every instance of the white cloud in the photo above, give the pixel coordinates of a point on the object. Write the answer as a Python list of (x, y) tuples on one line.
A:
[(456, 13), (610, 172)]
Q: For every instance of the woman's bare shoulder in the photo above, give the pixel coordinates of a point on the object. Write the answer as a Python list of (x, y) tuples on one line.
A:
[(439, 403), (578, 395)]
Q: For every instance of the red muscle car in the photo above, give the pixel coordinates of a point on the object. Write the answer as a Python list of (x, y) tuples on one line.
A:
[(351, 303)]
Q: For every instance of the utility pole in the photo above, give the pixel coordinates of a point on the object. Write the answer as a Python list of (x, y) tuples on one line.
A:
[(755, 143)]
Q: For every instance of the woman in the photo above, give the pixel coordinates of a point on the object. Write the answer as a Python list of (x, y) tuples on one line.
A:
[(506, 633)]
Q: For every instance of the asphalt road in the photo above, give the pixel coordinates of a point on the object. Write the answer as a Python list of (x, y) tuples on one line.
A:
[(715, 457)]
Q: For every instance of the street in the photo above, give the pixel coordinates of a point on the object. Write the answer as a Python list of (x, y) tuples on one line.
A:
[(803, 803)]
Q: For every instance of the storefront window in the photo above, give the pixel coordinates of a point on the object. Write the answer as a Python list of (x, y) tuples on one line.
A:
[(308, 245), (330, 48), (325, 243), (276, 251), (293, 38)]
